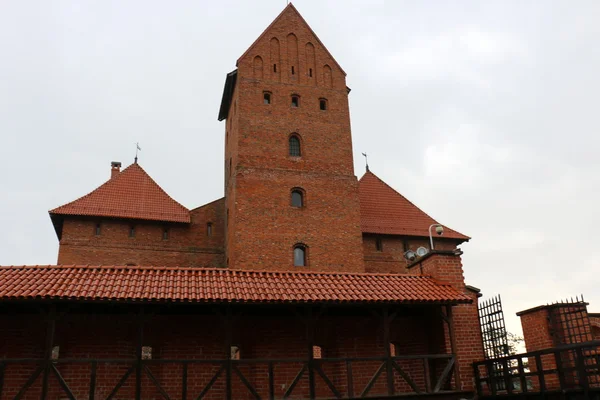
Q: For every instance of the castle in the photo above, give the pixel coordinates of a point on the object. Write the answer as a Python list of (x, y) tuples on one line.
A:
[(295, 283)]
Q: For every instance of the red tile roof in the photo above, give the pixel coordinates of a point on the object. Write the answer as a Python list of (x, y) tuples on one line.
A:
[(385, 211), (118, 283), (130, 194)]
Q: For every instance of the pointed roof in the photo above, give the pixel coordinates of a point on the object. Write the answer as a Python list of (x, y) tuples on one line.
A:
[(385, 211), (130, 194), (290, 8)]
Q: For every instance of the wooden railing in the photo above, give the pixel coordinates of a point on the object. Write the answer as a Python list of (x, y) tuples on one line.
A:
[(427, 374), (567, 369)]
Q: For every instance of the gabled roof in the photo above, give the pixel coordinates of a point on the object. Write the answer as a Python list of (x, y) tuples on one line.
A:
[(131, 194), (187, 285), (385, 211)]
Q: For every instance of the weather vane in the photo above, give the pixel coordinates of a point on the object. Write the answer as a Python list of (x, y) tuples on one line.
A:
[(137, 148), (366, 160)]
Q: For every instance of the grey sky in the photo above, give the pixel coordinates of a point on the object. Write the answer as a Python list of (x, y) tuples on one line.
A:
[(485, 114)]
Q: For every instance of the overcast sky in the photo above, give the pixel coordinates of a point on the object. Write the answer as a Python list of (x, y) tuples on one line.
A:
[(485, 114)]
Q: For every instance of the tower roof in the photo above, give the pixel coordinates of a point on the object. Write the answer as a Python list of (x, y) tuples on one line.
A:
[(131, 194), (385, 211)]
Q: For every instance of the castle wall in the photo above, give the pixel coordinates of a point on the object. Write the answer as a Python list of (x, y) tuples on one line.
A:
[(185, 245)]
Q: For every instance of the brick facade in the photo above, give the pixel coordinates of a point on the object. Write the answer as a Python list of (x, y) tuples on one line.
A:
[(188, 245)]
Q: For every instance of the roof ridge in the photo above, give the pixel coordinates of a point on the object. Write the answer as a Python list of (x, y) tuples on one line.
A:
[(211, 269)]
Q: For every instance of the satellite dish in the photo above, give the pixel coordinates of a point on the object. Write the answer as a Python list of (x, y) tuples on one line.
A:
[(421, 251), (410, 255)]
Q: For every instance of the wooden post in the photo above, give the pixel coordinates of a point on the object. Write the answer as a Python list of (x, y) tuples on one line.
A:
[(48, 350), (310, 342), (388, 354), (138, 355), (228, 339), (452, 334)]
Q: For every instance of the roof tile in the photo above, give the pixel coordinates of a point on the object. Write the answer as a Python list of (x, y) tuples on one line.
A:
[(130, 194), (121, 283), (385, 211)]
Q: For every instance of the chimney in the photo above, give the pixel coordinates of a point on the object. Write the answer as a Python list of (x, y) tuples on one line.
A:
[(115, 168)]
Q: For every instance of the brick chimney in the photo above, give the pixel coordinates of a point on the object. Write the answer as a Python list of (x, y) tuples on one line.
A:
[(115, 168)]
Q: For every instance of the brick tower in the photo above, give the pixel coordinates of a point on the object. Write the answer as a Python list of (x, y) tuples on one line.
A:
[(291, 193)]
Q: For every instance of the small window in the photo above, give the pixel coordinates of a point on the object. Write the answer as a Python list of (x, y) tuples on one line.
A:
[(293, 70), (299, 256), (294, 142), (297, 198), (317, 352), (323, 104), (98, 230), (146, 352), (209, 229), (310, 72), (165, 234), (55, 352), (379, 244), (274, 67), (295, 101), (267, 98), (132, 231), (235, 353)]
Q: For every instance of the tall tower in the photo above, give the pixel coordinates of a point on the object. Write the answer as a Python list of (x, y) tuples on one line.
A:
[(291, 193)]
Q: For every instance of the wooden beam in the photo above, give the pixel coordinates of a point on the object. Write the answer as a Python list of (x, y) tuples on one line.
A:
[(62, 382), (330, 384), (350, 379), (452, 333), (406, 377), (210, 383), (388, 354), (138, 355), (246, 383), (373, 380), (48, 350), (310, 342), (92, 390), (156, 383), (184, 378), (288, 392), (121, 382), (444, 375), (228, 339)]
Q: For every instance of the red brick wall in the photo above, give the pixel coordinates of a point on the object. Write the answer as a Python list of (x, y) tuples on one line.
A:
[(447, 267), (391, 258), (200, 336), (262, 173), (187, 245)]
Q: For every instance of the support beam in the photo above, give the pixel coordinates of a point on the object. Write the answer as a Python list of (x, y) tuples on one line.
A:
[(450, 320), (310, 342), (388, 354), (228, 340), (48, 350), (138, 355)]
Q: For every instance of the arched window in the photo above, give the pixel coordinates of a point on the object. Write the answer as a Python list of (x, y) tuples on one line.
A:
[(295, 101), (297, 198), (295, 146), (267, 98), (323, 104), (299, 255)]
